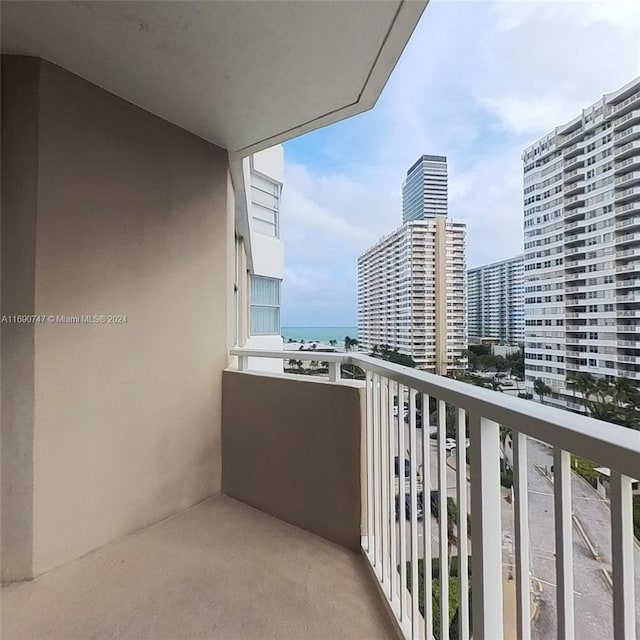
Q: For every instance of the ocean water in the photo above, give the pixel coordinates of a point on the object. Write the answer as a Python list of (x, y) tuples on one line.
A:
[(319, 334)]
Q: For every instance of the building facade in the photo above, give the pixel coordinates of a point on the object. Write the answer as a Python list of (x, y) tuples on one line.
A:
[(412, 293), (582, 246), (495, 301), (424, 191), (266, 170)]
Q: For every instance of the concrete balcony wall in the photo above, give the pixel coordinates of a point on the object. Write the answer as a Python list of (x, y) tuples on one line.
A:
[(107, 210), (291, 447)]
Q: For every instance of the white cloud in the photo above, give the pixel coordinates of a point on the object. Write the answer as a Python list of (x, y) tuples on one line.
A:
[(478, 82)]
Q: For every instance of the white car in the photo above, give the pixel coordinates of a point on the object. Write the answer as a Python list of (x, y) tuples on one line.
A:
[(449, 444)]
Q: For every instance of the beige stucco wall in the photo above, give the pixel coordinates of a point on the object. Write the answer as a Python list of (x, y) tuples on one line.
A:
[(19, 208), (291, 447), (133, 218)]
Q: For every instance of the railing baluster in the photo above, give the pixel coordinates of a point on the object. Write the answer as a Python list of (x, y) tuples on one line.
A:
[(521, 526), (443, 521), (377, 520), (463, 541), (486, 532), (334, 371), (384, 458), (401, 503), (393, 554), (564, 543), (426, 501), (369, 418), (413, 488), (624, 611)]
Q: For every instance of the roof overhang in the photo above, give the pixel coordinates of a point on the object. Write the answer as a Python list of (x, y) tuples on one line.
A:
[(243, 75)]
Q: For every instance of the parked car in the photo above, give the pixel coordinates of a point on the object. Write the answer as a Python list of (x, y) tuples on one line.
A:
[(407, 467), (418, 418), (434, 499), (407, 507), (450, 444)]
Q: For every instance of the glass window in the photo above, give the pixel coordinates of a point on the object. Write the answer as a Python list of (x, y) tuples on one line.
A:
[(264, 306)]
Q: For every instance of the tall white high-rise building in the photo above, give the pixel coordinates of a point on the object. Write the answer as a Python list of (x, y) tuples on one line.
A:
[(424, 191), (495, 301), (582, 246), (412, 293)]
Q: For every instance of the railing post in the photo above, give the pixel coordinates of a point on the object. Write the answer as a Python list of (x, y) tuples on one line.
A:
[(624, 612), (243, 363), (486, 533), (334, 371), (564, 543), (521, 527)]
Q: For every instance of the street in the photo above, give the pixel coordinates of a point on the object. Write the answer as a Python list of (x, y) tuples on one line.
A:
[(593, 595)]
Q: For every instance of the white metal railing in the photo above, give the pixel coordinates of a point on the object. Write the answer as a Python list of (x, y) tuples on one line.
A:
[(393, 548)]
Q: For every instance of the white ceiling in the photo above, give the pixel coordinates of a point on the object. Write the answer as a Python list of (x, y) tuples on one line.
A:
[(242, 74)]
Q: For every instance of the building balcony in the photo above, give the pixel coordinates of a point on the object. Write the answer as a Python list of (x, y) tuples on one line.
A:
[(221, 569), (635, 344), (573, 176), (627, 238), (622, 166), (628, 104), (572, 212), (624, 121), (629, 149), (631, 193), (574, 163), (631, 283), (628, 179), (628, 223), (574, 188), (628, 134), (389, 546), (628, 253), (628, 328), (573, 149), (574, 201)]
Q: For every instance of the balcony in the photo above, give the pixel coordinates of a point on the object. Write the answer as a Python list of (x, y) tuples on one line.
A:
[(628, 179), (574, 188), (572, 176), (628, 253), (631, 133), (622, 166), (629, 222), (629, 118), (390, 547), (628, 194), (626, 238), (628, 104), (573, 149), (574, 201), (626, 150), (574, 163), (220, 569)]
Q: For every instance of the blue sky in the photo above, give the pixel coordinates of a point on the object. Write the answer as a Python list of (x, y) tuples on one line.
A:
[(478, 82)]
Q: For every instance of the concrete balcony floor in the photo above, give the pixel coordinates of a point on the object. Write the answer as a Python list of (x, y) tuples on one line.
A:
[(220, 570)]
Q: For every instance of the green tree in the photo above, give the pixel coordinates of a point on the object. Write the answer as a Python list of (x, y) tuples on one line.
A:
[(541, 388), (385, 352)]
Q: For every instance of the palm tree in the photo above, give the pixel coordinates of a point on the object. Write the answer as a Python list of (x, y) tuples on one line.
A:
[(293, 363), (348, 343), (541, 388)]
